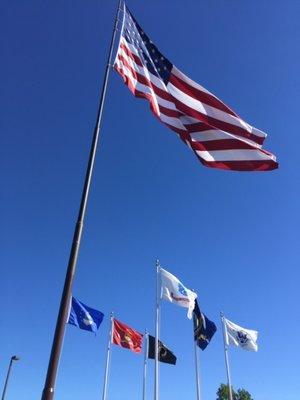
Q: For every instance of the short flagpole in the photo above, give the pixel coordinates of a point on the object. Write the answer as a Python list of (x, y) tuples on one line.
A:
[(48, 391), (12, 359), (158, 288), (226, 356), (105, 384), (197, 370), (146, 351)]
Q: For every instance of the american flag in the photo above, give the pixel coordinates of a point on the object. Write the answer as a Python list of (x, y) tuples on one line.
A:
[(216, 134)]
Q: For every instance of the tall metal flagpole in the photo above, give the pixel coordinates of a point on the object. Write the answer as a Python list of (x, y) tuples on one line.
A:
[(226, 356), (48, 392), (197, 370), (146, 351), (104, 394), (158, 288)]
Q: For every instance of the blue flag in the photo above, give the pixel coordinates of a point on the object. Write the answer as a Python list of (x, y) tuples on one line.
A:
[(204, 328), (84, 317)]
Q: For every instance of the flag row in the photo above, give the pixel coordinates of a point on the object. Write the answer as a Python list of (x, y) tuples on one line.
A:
[(170, 289)]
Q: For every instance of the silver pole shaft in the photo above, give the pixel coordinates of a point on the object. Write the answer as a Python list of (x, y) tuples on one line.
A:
[(104, 394), (197, 370), (145, 363), (156, 376), (226, 357)]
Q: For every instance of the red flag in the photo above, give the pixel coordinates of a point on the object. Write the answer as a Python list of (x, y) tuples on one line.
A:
[(127, 337)]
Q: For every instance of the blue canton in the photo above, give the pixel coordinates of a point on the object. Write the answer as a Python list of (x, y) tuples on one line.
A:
[(149, 54)]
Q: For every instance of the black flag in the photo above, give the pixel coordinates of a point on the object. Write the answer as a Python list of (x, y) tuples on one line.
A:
[(164, 354), (204, 329)]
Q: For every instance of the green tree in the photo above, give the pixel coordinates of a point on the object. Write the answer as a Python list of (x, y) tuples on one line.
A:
[(241, 394), (223, 393)]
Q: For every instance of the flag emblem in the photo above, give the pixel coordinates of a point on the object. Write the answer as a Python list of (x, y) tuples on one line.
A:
[(88, 320), (127, 339), (242, 337), (162, 352), (181, 289)]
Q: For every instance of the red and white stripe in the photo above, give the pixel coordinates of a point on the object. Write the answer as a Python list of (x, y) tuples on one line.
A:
[(216, 134)]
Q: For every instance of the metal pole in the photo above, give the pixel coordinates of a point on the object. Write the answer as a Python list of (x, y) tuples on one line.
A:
[(145, 363), (13, 358), (197, 370), (158, 288), (226, 356), (108, 357), (48, 392)]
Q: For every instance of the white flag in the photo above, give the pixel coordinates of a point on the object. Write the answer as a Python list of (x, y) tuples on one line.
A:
[(238, 336), (174, 291)]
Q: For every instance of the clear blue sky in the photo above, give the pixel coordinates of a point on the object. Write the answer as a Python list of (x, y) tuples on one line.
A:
[(233, 237)]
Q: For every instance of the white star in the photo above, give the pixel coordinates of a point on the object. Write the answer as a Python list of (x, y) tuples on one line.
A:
[(88, 320)]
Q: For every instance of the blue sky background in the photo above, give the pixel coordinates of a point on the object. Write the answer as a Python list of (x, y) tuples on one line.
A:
[(233, 237)]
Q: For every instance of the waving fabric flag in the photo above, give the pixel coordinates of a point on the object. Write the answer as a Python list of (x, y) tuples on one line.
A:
[(164, 354), (127, 337), (175, 292), (216, 134), (204, 328), (84, 317), (241, 337)]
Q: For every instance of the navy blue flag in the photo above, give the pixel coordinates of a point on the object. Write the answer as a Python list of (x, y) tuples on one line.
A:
[(204, 328), (84, 317)]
